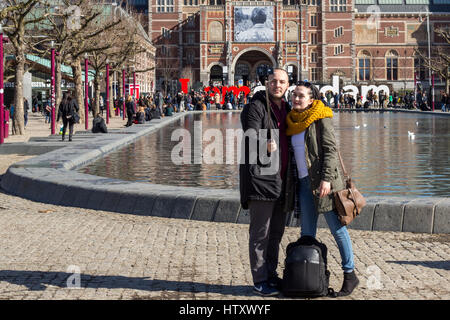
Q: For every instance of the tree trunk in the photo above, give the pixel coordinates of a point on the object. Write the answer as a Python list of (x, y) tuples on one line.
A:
[(96, 105), (111, 97), (18, 120), (78, 81), (58, 95)]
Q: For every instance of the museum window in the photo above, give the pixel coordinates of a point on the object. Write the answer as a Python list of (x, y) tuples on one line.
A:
[(314, 56), (190, 38), (165, 5), (290, 2), (338, 5), (313, 38), (313, 20), (165, 33), (338, 49), (338, 32), (314, 74), (216, 2), (392, 66), (420, 69), (363, 66), (190, 57)]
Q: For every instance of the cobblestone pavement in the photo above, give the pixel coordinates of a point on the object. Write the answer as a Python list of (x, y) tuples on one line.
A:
[(119, 256), (57, 252)]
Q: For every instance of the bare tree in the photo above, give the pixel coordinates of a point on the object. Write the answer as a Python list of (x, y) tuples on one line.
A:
[(439, 62), (17, 16)]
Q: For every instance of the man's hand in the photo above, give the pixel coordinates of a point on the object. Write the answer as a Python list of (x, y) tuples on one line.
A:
[(271, 146)]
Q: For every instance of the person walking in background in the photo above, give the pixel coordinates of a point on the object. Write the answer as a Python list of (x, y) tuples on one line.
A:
[(66, 110), (311, 130)]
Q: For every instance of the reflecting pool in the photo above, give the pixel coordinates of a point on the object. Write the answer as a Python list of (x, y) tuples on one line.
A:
[(381, 156)]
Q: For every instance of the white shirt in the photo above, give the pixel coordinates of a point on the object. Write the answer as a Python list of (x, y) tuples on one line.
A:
[(298, 143)]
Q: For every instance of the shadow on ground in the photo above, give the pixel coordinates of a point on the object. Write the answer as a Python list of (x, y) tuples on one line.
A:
[(39, 280), (444, 265)]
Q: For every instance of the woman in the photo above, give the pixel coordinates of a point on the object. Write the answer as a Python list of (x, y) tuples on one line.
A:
[(312, 139), (130, 109), (66, 110)]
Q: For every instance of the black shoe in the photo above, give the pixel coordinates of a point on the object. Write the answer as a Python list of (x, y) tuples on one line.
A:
[(263, 289), (351, 281), (70, 139), (63, 138), (275, 282)]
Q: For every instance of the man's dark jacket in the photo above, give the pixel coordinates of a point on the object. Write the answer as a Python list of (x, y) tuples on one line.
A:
[(254, 185)]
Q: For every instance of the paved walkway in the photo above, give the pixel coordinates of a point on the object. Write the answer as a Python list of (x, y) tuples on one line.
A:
[(56, 252)]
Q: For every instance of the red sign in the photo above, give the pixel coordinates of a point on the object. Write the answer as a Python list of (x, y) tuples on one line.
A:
[(235, 90), (129, 87)]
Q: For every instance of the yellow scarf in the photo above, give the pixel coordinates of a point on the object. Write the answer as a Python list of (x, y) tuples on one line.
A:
[(297, 122)]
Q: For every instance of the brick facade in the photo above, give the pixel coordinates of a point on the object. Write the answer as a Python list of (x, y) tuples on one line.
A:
[(312, 37)]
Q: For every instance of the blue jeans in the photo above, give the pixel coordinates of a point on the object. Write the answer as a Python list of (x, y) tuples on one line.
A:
[(308, 223)]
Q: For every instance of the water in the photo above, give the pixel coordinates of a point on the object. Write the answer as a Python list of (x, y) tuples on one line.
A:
[(381, 157)]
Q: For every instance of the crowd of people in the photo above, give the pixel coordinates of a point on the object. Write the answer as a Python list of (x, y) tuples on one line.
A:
[(148, 107), (382, 100)]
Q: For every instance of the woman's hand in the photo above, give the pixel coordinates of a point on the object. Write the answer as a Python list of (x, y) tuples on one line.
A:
[(324, 189)]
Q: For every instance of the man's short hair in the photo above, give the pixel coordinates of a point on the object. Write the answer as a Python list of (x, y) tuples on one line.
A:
[(258, 15), (273, 71)]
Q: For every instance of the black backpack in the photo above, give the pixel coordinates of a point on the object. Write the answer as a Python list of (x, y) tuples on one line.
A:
[(305, 273)]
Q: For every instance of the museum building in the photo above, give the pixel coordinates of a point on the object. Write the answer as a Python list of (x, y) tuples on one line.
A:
[(235, 42)]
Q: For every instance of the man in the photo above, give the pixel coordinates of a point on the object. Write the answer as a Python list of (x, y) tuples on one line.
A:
[(267, 196)]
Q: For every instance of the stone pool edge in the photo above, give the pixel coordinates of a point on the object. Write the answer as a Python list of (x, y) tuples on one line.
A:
[(51, 178)]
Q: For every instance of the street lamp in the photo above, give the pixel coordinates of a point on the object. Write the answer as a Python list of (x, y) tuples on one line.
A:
[(107, 91), (86, 91)]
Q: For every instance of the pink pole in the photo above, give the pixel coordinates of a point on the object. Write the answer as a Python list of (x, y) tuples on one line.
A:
[(123, 104), (86, 93), (52, 99), (2, 110), (134, 85), (107, 93)]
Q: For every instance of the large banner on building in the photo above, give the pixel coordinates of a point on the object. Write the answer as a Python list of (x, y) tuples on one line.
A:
[(253, 24)]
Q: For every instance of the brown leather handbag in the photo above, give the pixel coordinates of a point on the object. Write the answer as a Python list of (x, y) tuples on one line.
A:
[(349, 201)]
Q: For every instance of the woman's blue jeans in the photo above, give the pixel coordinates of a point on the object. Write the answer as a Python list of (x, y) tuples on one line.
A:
[(308, 223)]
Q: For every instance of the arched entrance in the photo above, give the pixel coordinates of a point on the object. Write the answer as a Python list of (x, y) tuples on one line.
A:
[(251, 65), (216, 75)]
